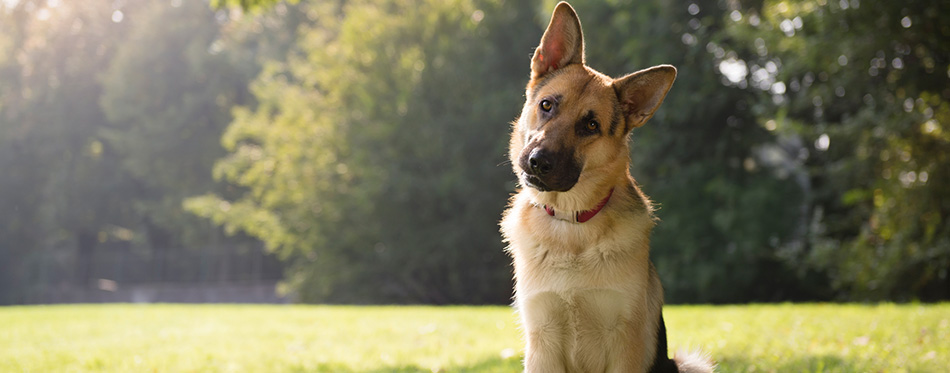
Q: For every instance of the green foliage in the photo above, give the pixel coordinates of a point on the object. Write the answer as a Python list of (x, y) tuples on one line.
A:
[(784, 338), (109, 117), (167, 95), (876, 110), (801, 153), (57, 175), (724, 213), (359, 164), (249, 5), (372, 161)]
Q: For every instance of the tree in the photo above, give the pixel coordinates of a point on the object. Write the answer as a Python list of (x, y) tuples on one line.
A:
[(724, 213), (373, 160), (360, 166), (870, 105), (109, 116), (167, 95), (59, 177)]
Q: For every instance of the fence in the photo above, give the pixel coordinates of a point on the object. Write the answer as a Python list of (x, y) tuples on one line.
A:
[(214, 274)]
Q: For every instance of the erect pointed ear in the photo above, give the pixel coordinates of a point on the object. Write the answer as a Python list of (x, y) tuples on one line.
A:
[(562, 43), (642, 92)]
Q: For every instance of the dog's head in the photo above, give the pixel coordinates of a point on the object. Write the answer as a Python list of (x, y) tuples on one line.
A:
[(575, 123)]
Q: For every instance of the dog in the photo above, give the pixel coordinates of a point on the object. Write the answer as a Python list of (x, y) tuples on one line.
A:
[(578, 229)]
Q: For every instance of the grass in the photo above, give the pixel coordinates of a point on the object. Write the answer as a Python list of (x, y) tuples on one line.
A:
[(209, 338)]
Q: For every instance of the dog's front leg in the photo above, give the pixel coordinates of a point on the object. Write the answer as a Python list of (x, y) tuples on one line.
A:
[(604, 340), (545, 318)]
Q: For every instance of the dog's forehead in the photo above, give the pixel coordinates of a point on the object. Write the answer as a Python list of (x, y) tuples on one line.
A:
[(577, 86)]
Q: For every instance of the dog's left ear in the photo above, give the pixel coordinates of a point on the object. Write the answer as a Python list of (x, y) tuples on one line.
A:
[(642, 92)]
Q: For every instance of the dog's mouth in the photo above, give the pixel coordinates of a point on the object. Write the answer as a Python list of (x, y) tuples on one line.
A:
[(534, 182), (540, 185)]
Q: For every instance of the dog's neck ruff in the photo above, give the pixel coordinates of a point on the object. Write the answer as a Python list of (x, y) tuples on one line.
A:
[(578, 216)]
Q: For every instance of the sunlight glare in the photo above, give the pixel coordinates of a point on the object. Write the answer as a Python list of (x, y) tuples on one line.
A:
[(733, 69), (823, 142)]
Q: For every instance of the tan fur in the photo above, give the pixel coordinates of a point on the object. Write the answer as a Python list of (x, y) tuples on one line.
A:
[(587, 294)]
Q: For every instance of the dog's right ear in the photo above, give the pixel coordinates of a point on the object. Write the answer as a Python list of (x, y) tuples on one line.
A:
[(562, 43)]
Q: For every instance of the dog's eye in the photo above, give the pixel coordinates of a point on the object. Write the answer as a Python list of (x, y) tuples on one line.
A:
[(546, 105), (593, 126)]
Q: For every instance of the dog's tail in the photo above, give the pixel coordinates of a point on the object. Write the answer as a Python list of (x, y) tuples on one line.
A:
[(693, 362)]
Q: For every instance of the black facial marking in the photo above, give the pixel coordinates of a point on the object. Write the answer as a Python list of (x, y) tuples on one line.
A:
[(581, 129), (615, 119), (547, 169)]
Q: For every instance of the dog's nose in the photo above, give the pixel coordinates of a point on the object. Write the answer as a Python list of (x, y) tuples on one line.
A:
[(540, 162)]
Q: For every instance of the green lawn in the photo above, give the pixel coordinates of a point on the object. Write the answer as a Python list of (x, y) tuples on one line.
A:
[(190, 338)]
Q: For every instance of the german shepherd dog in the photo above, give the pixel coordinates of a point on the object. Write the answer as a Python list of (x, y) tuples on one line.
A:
[(579, 228)]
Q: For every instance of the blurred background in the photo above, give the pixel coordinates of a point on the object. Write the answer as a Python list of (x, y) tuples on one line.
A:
[(354, 151)]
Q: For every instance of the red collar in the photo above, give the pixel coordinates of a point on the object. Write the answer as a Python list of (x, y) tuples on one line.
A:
[(578, 216)]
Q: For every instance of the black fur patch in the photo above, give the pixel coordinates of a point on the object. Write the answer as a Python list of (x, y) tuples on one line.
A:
[(580, 127), (661, 362), (564, 173), (615, 119)]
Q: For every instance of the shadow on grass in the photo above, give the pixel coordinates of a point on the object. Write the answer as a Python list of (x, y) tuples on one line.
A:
[(498, 364), (822, 363), (725, 364)]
